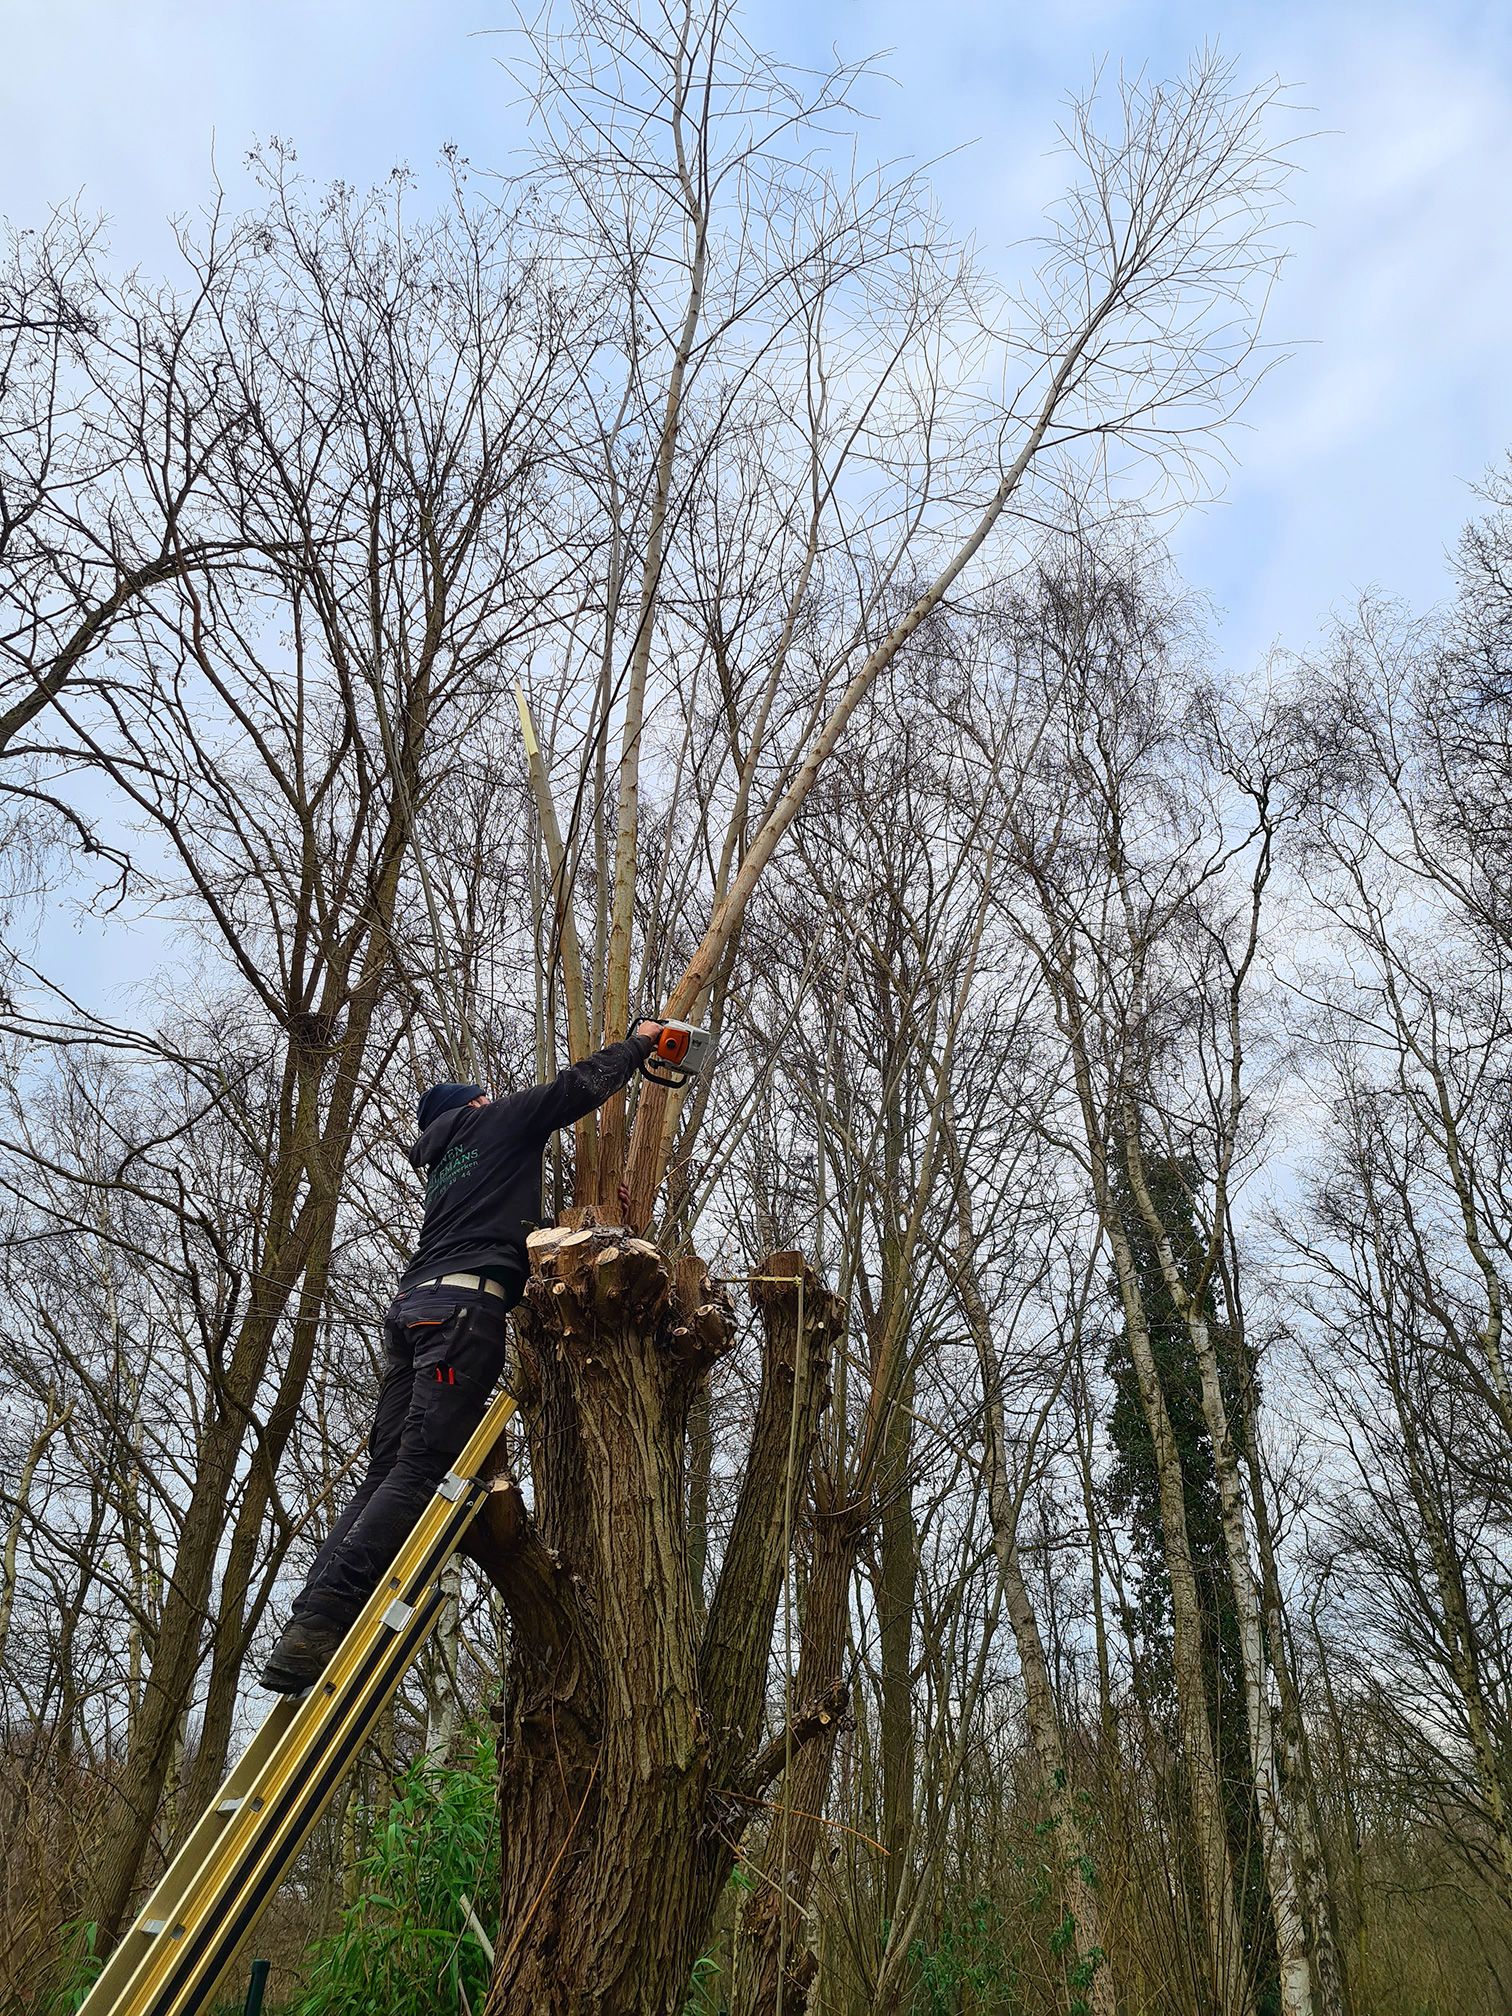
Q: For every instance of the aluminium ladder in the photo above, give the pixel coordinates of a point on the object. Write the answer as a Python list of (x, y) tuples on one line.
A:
[(216, 1888)]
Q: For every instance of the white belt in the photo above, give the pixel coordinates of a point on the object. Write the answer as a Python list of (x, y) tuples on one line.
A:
[(473, 1281)]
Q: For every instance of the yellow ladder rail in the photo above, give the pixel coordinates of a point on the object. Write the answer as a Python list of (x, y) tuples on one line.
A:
[(212, 1894)]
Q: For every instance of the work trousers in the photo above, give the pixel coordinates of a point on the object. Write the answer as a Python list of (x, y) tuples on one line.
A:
[(444, 1350)]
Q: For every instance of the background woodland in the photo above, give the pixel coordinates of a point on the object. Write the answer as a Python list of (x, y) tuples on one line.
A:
[(682, 572)]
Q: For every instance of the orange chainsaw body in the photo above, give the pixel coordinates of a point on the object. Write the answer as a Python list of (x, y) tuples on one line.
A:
[(680, 1054)]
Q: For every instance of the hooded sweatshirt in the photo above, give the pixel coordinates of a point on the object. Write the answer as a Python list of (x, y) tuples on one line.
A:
[(483, 1193)]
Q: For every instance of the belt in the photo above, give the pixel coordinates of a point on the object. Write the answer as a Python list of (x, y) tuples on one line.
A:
[(473, 1281)]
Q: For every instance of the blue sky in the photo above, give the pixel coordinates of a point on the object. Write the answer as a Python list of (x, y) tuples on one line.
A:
[(1356, 467)]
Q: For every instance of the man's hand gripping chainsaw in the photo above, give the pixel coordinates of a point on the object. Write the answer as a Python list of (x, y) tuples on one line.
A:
[(681, 1052)]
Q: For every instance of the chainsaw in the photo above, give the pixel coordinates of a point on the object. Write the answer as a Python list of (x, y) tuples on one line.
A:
[(681, 1052)]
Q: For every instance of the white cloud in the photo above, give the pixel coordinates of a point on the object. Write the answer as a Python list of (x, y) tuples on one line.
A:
[(1355, 472), (1399, 297)]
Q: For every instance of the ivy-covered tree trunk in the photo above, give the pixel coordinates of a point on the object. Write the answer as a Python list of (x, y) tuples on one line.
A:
[(1228, 1944), (633, 1756)]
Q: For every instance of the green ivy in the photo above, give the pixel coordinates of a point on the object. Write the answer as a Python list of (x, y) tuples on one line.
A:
[(966, 1968)]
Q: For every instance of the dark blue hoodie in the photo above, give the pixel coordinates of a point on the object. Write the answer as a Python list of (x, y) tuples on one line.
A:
[(483, 1196)]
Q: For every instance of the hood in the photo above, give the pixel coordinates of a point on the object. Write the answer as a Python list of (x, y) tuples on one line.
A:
[(437, 1138)]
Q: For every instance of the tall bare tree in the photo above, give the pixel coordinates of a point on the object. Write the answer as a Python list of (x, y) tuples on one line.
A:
[(388, 393)]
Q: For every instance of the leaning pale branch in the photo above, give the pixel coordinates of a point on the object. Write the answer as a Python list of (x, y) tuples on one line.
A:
[(564, 932), (645, 1159)]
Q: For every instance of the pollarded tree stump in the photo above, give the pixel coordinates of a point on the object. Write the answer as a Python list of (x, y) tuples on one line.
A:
[(634, 1754), (606, 1759)]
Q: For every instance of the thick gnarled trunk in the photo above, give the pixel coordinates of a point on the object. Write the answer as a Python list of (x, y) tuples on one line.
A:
[(632, 1756)]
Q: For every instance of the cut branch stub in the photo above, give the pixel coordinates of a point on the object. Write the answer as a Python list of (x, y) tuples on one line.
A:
[(701, 1330), (822, 1716)]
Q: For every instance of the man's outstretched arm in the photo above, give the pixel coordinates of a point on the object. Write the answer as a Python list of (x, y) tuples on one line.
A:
[(582, 1087)]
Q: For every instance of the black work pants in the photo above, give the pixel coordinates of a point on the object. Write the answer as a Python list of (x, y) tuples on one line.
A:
[(445, 1350)]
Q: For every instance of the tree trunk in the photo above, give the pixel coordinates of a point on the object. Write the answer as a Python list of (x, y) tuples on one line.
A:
[(309, 1156), (176, 1657), (628, 1772), (1460, 1639), (234, 1622), (1226, 1942), (443, 1705), (57, 1418), (1276, 1839), (782, 1964), (1089, 1983), (895, 1599), (1313, 1871), (1225, 1939), (303, 1213), (700, 1473)]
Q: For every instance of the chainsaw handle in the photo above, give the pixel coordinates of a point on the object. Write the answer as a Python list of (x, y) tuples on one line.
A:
[(660, 1073)]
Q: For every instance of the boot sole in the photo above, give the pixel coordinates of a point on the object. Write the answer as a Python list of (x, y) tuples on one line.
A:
[(281, 1680)]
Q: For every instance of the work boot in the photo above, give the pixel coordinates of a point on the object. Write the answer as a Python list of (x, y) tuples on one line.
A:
[(304, 1650)]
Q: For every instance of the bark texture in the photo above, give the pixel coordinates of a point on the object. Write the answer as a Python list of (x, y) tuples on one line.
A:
[(633, 1750)]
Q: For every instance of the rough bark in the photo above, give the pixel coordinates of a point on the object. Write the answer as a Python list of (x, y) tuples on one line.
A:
[(783, 1963), (700, 1473), (795, 1391), (631, 1749)]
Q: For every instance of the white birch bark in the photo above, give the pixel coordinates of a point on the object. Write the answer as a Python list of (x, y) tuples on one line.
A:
[(443, 1705), (1276, 1839)]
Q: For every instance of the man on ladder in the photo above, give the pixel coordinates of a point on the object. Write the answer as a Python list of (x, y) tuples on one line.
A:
[(445, 1331)]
